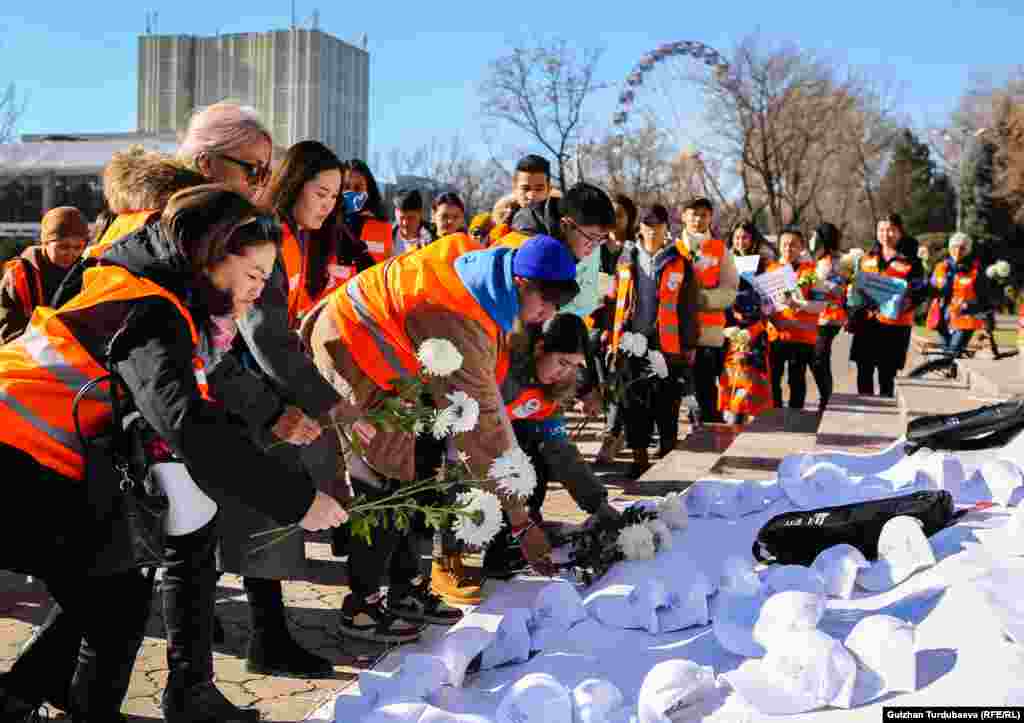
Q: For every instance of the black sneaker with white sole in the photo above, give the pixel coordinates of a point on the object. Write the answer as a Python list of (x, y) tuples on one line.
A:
[(366, 620), (417, 602)]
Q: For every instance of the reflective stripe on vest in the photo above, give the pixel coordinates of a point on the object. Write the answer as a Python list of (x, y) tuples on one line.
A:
[(670, 280), (964, 292), (899, 269), (708, 268), (124, 224), (377, 236), (28, 284), (296, 266), (795, 325), (532, 404), (42, 371), (371, 309)]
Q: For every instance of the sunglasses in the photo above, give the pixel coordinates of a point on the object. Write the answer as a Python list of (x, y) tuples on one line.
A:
[(257, 174)]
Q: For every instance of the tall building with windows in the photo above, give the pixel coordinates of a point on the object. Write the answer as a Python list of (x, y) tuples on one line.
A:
[(306, 84)]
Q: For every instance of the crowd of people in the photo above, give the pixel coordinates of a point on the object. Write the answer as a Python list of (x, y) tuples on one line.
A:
[(249, 308)]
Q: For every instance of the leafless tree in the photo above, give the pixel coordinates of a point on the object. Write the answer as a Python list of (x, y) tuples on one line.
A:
[(12, 108), (795, 133), (450, 165), (541, 90)]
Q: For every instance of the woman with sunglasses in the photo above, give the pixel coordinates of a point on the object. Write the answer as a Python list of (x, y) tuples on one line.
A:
[(141, 315)]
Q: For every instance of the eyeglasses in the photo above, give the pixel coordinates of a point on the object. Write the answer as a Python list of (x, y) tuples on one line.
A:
[(256, 174), (597, 240)]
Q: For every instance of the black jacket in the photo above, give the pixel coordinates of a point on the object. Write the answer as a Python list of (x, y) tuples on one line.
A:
[(149, 344)]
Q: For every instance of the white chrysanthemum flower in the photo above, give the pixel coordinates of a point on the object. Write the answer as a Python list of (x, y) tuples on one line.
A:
[(998, 271), (439, 357), (636, 542), (481, 518), (514, 473), (659, 367), (857, 253), (465, 411), (672, 511), (419, 427), (444, 419), (639, 344), (626, 343), (662, 535)]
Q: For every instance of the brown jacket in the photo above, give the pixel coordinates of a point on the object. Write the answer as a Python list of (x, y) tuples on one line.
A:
[(14, 317), (391, 453)]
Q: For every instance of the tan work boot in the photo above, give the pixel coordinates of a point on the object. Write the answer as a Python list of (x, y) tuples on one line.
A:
[(611, 445), (450, 579)]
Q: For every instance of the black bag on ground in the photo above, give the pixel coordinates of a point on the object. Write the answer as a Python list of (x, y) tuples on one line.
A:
[(127, 509), (796, 538), (983, 428)]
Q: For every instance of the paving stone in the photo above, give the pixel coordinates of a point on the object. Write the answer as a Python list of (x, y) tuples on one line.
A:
[(267, 688)]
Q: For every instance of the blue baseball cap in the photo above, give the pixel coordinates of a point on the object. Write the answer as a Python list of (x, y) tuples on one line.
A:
[(544, 258)]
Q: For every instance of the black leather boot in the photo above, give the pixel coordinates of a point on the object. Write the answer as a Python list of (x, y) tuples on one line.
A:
[(202, 703), (272, 649)]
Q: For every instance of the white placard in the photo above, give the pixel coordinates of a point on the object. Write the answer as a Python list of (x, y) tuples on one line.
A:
[(773, 286), (747, 264)]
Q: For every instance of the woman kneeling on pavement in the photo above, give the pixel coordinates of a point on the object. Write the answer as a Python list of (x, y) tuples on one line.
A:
[(141, 316), (542, 378)]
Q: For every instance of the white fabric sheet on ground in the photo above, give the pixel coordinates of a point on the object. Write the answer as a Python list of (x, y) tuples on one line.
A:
[(963, 656)]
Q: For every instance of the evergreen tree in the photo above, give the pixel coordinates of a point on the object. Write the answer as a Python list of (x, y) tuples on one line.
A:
[(913, 188)]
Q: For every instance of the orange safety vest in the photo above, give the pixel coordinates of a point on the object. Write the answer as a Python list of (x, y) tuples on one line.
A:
[(124, 224), (531, 403), (670, 281), (708, 267), (834, 313), (964, 291), (42, 371), (28, 284), (795, 325), (743, 387), (514, 239), (296, 266), (377, 235), (371, 309), (898, 268)]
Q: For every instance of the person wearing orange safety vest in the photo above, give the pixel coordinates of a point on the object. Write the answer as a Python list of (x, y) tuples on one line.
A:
[(548, 371), (364, 212), (881, 340), (655, 290), (831, 288), (142, 317), (31, 279), (719, 282), (793, 325), (366, 335), (962, 294), (304, 194)]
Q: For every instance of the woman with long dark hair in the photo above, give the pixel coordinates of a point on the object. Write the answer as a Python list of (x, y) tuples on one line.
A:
[(318, 249), (882, 337), (141, 315)]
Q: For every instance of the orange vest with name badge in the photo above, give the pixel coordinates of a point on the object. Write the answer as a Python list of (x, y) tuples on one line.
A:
[(708, 268), (296, 265), (964, 292), (670, 281)]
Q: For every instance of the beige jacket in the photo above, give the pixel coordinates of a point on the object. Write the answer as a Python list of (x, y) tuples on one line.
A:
[(392, 453), (719, 298)]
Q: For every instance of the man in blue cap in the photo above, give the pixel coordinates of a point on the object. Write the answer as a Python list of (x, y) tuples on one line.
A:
[(366, 334)]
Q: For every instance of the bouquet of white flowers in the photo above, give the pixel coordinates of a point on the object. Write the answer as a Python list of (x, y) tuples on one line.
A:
[(475, 515)]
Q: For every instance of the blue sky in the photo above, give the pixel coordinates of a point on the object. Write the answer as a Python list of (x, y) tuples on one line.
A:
[(77, 59)]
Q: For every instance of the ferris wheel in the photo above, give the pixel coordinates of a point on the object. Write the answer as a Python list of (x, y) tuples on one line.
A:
[(667, 87)]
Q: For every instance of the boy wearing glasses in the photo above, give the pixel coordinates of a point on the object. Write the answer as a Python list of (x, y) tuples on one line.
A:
[(31, 279), (656, 296)]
